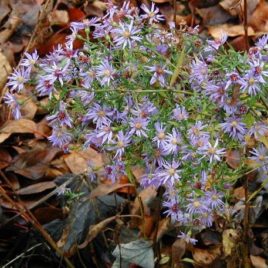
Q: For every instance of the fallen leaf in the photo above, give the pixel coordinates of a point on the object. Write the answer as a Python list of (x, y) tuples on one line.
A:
[(80, 162), (76, 14), (146, 196), (229, 241), (5, 159), (233, 158), (213, 15), (16, 126), (258, 262), (58, 17), (5, 70), (206, 256), (239, 43), (29, 107), (139, 252), (105, 189), (4, 9), (178, 249), (36, 188), (95, 230), (163, 227), (258, 20), (210, 238), (230, 30), (239, 193), (236, 7), (48, 214), (146, 225)]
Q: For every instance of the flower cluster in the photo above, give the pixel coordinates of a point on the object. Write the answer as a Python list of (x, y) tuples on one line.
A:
[(131, 92)]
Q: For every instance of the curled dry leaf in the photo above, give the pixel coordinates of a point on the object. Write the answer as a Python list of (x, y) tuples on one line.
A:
[(18, 126), (36, 188), (236, 7), (95, 230), (80, 162), (230, 30), (104, 189), (229, 241), (5, 159), (29, 107), (258, 20), (206, 256), (5, 70), (58, 17), (233, 158), (258, 262), (178, 249), (239, 193), (163, 227), (213, 15)]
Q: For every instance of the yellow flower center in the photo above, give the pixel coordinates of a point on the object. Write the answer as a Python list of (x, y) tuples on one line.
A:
[(20, 79), (138, 125), (126, 34), (234, 123), (212, 150), (101, 113), (120, 144), (251, 81), (171, 171), (196, 204), (161, 135)]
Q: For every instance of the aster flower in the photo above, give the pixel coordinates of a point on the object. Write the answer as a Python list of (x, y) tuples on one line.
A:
[(85, 96), (232, 78), (61, 117), (92, 139), (159, 74), (60, 137), (199, 72), (217, 93), (126, 35), (169, 173), (196, 131), (218, 42), (214, 199), (156, 157), (160, 134), (115, 171), (151, 14), (13, 103), (17, 80), (99, 115), (196, 206), (258, 129), (45, 87), (121, 142), (88, 77), (56, 73), (234, 128), (173, 142), (179, 113), (252, 84), (173, 210), (262, 42), (30, 60), (187, 238), (87, 23), (260, 156), (105, 73), (138, 126), (212, 152), (206, 219), (105, 132), (145, 109)]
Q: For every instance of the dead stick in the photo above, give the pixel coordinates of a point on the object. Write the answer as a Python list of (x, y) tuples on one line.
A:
[(246, 24), (28, 216)]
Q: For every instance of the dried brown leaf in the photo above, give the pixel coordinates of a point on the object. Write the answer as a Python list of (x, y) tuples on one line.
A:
[(18, 126), (5, 159), (105, 189), (213, 15), (206, 256), (258, 262), (95, 230), (231, 30), (78, 162), (37, 188), (5, 70), (58, 17), (233, 158), (229, 241), (236, 7), (258, 20), (178, 249)]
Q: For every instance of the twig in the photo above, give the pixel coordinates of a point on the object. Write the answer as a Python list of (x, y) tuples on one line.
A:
[(28, 216), (21, 255), (246, 259), (246, 24)]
